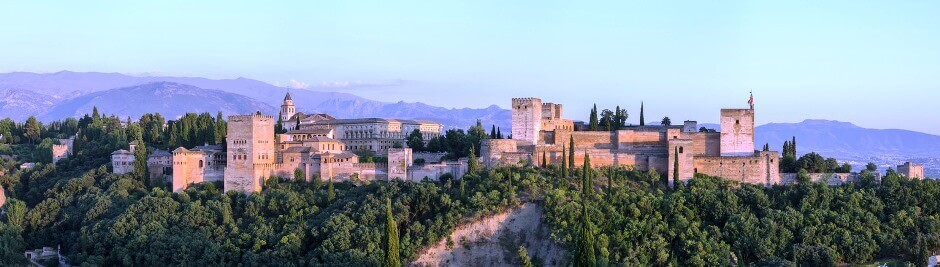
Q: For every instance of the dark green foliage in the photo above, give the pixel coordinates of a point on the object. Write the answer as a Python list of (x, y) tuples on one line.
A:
[(195, 130), (571, 153), (140, 164), (584, 255), (390, 240), (871, 167), (592, 122), (299, 175), (564, 163), (524, 260), (666, 121), (642, 118), (415, 141), (675, 169)]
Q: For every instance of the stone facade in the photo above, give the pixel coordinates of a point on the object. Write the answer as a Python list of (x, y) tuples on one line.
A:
[(160, 166), (832, 179), (201, 164), (911, 170), (375, 134), (287, 109), (63, 149), (399, 159), (122, 161), (656, 148), (251, 152)]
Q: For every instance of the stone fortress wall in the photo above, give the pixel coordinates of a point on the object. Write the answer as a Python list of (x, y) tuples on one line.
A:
[(645, 147)]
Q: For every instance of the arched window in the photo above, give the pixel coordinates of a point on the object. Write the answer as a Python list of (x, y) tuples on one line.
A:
[(200, 163)]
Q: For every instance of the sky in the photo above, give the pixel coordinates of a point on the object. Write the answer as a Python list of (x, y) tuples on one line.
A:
[(873, 63)]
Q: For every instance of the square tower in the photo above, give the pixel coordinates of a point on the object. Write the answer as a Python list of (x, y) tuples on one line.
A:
[(526, 119), (251, 153), (737, 132)]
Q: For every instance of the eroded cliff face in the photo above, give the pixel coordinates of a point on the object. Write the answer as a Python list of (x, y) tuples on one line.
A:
[(495, 241)]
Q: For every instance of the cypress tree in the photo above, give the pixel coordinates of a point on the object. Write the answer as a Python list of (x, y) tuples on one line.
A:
[(392, 255), (493, 132), (642, 119), (584, 252), (793, 147), (587, 185), (571, 153), (593, 120), (564, 162), (330, 194), (675, 170), (140, 164), (473, 166), (499, 134)]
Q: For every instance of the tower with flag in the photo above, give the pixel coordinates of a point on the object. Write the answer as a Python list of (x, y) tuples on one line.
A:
[(751, 100)]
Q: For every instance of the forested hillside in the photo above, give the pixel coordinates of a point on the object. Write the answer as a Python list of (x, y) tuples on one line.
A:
[(602, 216)]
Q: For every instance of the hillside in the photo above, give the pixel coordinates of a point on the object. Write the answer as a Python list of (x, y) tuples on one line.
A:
[(170, 99)]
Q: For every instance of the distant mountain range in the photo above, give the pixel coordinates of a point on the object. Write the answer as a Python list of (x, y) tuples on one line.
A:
[(55, 96), (52, 96)]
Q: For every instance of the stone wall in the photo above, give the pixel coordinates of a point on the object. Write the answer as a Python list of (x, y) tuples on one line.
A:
[(434, 171), (737, 132), (59, 152), (832, 179), (122, 161), (192, 167), (495, 151), (706, 144), (760, 168), (685, 158), (429, 157)]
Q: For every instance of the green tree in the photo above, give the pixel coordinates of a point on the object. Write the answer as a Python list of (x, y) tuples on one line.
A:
[(16, 213), (571, 153), (473, 166), (642, 118), (499, 133), (544, 160), (493, 132), (564, 162), (390, 242), (33, 130), (416, 141), (675, 170), (871, 167), (140, 164), (593, 123), (666, 121), (299, 175), (524, 260), (330, 191), (587, 183), (584, 252)]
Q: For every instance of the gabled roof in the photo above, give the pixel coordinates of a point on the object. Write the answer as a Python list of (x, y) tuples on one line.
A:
[(287, 97)]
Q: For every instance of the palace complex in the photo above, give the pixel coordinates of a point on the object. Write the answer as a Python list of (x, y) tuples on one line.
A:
[(322, 147)]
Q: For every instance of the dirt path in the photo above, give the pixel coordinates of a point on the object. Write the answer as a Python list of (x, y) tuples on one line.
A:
[(494, 241)]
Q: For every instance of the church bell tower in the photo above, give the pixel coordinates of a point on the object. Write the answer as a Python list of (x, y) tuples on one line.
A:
[(287, 108)]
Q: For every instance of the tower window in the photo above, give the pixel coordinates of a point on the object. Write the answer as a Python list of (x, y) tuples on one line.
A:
[(681, 150), (737, 121)]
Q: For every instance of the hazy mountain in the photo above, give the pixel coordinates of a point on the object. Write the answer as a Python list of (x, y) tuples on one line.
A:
[(69, 85), (20, 104), (172, 100), (843, 138)]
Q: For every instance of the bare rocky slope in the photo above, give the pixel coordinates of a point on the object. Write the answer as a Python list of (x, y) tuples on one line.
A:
[(494, 241)]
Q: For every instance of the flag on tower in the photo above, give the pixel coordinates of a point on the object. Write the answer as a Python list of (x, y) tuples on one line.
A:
[(751, 101)]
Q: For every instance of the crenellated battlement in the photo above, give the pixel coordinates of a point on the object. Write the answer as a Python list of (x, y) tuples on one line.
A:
[(261, 117)]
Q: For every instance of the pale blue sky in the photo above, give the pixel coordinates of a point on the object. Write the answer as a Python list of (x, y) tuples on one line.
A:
[(874, 63)]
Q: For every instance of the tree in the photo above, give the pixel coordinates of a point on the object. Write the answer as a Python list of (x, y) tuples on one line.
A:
[(587, 183), (499, 134), (330, 191), (666, 121), (140, 164), (584, 252), (493, 132), (416, 141), (33, 128), (299, 175), (571, 153), (392, 254), (642, 119), (15, 213), (524, 260), (871, 167), (473, 166), (279, 126), (675, 170), (593, 120), (564, 162), (544, 160)]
